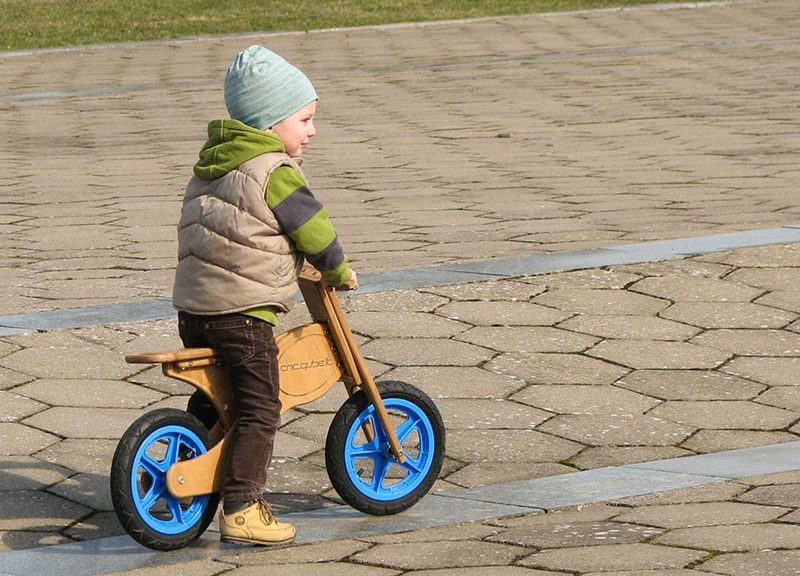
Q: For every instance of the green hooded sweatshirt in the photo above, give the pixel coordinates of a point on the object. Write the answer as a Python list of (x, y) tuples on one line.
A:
[(230, 144)]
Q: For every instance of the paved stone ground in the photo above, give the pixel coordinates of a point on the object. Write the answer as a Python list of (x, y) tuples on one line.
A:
[(444, 143)]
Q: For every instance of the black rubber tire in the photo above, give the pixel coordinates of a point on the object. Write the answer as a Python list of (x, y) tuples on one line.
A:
[(123, 487), (336, 449)]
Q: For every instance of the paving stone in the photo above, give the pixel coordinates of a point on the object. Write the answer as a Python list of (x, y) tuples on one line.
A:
[(502, 313), (84, 422), (752, 342), (404, 325), (759, 257), (630, 327), (527, 339), (508, 446), (719, 415), (678, 572), (469, 414), (701, 514), (292, 477), (504, 291), (330, 569), (715, 492), (483, 473), (584, 399), (28, 473), (604, 456), (89, 393), (546, 368), (615, 557), (601, 302), (447, 554), (92, 362), (462, 531), (761, 563), (776, 495), (484, 571), (11, 378), (728, 315), (308, 553), (771, 371), (597, 512), (20, 440), (648, 354), (36, 510), (456, 382), (595, 279), (706, 441), (91, 490), (783, 299), (11, 540), (573, 534), (617, 430), (690, 385), (290, 446), (736, 538), (425, 352), (397, 300), (204, 567), (16, 406), (98, 525), (88, 455), (695, 289)]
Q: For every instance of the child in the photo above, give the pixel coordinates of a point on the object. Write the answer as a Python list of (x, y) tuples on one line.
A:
[(248, 220)]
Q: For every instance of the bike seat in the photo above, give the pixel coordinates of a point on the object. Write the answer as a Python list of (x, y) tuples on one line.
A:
[(181, 355)]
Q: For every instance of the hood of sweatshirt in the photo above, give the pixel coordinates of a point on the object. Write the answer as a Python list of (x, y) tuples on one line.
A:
[(230, 144)]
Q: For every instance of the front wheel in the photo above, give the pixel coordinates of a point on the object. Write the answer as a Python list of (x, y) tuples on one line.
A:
[(145, 508), (357, 456)]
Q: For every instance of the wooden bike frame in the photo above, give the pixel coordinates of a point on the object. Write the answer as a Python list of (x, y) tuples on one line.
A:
[(312, 358)]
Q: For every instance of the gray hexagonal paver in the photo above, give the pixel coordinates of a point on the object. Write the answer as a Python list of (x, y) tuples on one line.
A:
[(404, 325), (603, 302), (616, 557), (456, 382), (690, 385), (36, 510), (701, 514), (736, 538), (90, 393), (774, 371), (762, 563), (723, 415), (584, 399), (752, 342), (527, 339), (508, 446), (648, 354), (695, 289), (425, 352), (565, 535), (16, 406), (630, 327), (556, 368), (473, 414), (502, 313), (617, 430), (19, 440), (84, 422), (428, 555), (728, 315)]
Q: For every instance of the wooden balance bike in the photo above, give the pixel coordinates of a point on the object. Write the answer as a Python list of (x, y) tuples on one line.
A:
[(383, 451)]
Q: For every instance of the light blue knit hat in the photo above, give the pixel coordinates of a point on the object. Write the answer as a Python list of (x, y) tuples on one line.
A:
[(261, 88)]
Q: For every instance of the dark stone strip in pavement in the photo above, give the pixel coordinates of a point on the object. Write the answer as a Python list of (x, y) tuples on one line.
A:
[(494, 269), (342, 522)]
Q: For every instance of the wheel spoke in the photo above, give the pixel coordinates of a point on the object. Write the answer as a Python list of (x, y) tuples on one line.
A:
[(153, 467), (406, 428), (368, 450), (413, 466), (174, 506), (379, 473)]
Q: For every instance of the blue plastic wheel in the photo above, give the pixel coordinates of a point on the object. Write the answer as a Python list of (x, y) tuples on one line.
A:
[(360, 465), (155, 505), (146, 509)]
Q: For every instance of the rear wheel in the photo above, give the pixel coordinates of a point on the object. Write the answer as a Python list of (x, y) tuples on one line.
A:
[(359, 462), (145, 508)]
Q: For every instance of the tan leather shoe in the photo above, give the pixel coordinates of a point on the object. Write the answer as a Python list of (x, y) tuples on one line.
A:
[(254, 525)]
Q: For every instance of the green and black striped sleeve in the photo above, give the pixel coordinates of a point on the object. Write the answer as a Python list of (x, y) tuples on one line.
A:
[(305, 220)]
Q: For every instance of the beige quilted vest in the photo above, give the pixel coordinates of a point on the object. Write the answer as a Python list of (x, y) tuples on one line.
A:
[(232, 254)]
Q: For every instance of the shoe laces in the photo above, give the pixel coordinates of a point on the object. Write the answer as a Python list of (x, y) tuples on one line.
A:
[(265, 511)]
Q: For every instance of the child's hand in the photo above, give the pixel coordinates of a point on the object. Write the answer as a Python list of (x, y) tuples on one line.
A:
[(351, 284)]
